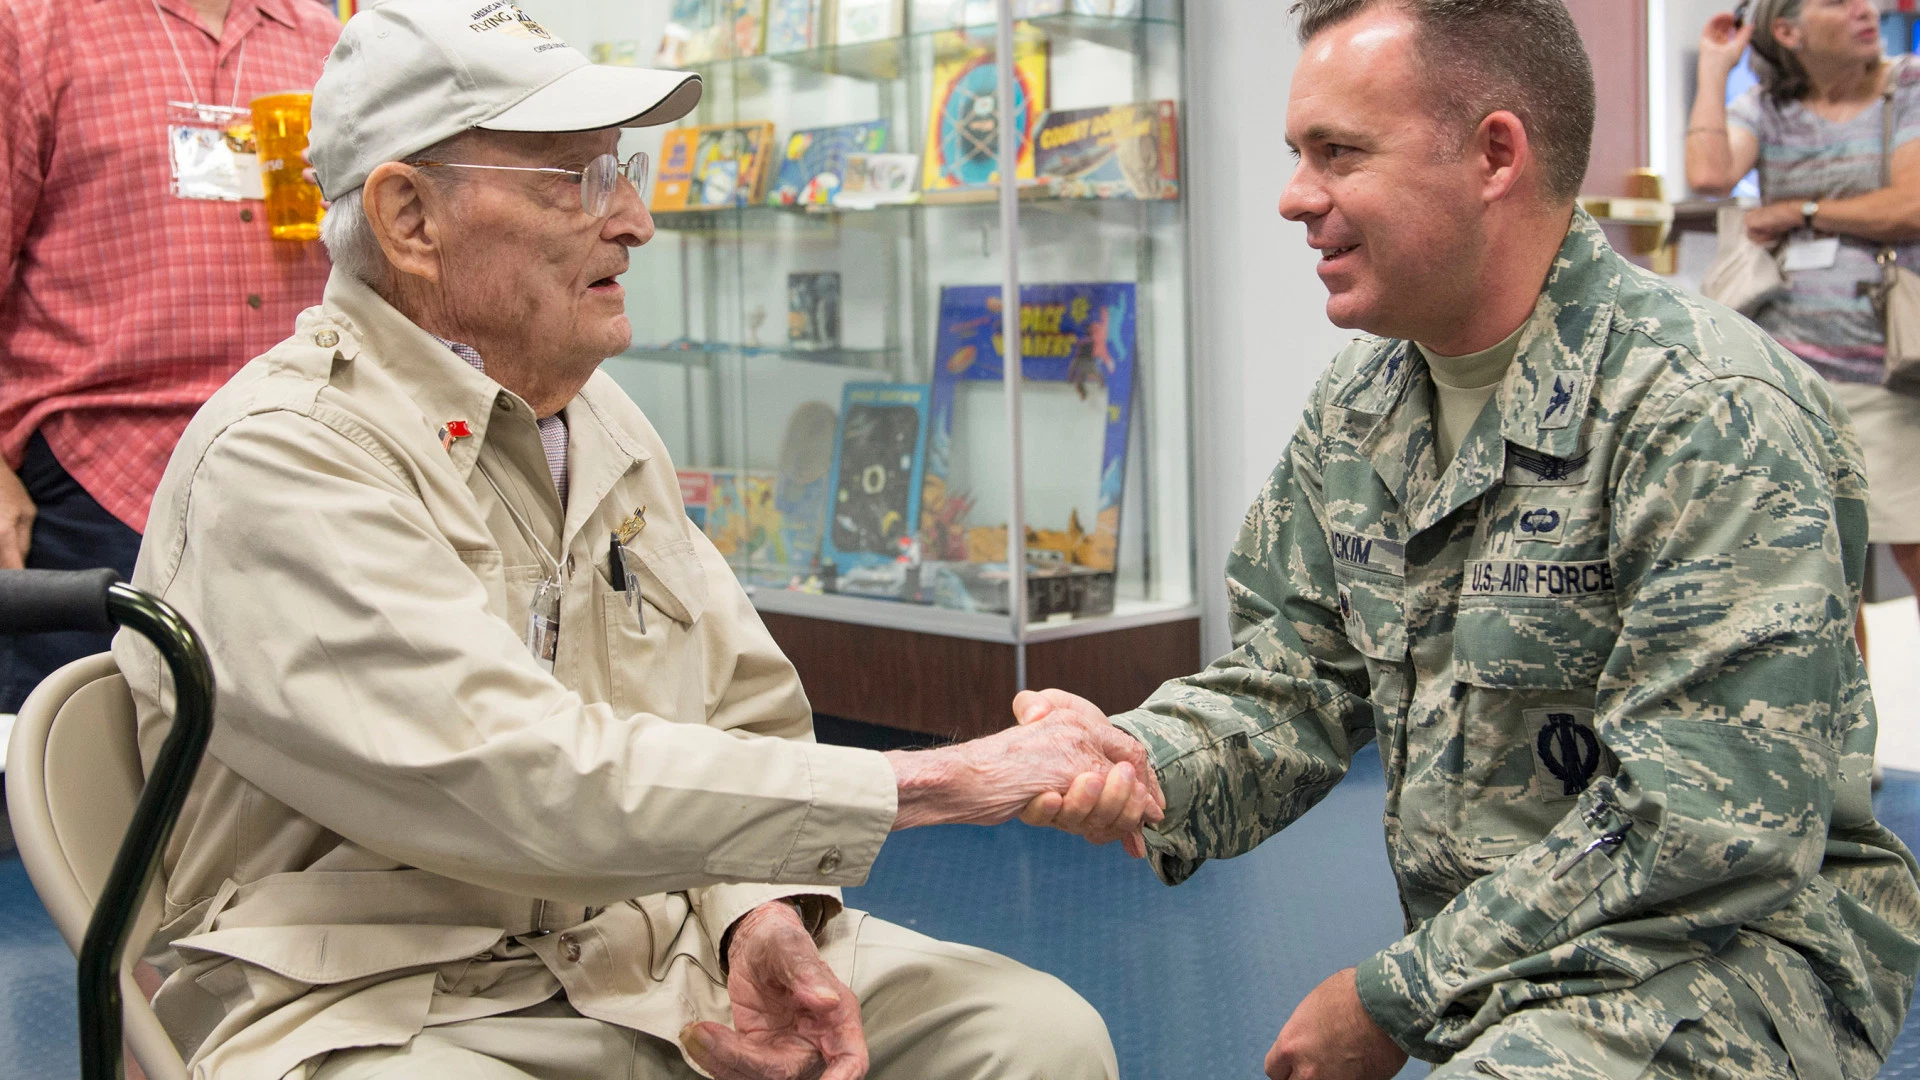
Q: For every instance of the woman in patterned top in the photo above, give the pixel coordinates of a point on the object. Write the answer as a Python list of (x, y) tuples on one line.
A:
[(1813, 127)]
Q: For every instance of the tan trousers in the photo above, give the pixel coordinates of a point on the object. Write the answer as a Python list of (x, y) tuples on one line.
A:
[(932, 1010)]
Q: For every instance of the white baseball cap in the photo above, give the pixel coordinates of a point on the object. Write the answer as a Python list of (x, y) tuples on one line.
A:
[(408, 73)]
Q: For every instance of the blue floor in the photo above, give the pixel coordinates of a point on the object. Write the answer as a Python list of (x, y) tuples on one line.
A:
[(1194, 982)]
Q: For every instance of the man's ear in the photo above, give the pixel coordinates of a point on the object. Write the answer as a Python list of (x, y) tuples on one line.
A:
[(1504, 155), (396, 202)]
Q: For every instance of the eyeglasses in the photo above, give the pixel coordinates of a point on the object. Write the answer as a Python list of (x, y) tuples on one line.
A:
[(596, 180)]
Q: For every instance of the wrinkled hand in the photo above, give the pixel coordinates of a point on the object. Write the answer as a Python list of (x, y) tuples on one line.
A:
[(1331, 1037), (988, 781), (792, 1018), (1101, 805), (1722, 43), (1767, 224), (16, 521)]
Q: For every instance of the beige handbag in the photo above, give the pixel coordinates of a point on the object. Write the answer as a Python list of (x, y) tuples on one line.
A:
[(1744, 276), (1896, 296)]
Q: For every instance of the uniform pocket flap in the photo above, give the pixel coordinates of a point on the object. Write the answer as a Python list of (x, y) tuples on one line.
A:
[(672, 580), (1510, 643), (338, 953)]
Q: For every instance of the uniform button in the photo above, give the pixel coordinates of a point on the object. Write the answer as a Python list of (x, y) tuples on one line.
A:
[(326, 339), (246, 215), (830, 861), (569, 564), (253, 301), (570, 948)]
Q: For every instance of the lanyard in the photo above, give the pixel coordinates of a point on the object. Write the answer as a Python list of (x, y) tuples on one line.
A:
[(543, 607), (239, 64), (514, 512)]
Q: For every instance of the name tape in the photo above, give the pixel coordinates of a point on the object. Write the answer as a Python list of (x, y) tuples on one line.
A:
[(1370, 553), (1499, 577)]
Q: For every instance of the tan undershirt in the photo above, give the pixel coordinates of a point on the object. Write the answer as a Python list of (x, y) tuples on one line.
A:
[(1462, 386)]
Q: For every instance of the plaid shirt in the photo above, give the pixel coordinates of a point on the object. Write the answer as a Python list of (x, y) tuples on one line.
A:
[(122, 307)]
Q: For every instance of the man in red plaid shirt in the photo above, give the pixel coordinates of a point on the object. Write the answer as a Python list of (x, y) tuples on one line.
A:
[(126, 297)]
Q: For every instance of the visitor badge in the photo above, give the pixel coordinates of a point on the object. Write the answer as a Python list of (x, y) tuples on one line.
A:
[(212, 153), (1818, 254), (543, 621)]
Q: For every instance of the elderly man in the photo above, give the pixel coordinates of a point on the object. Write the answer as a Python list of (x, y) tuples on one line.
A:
[(1582, 552), (488, 798)]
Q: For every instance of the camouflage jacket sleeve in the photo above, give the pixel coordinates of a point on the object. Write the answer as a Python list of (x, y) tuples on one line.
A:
[(1722, 701), (1248, 745)]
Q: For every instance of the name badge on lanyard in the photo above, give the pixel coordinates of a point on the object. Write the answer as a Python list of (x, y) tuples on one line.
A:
[(210, 148), (212, 153)]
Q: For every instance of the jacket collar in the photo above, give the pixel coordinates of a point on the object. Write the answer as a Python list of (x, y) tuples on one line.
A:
[(446, 388), (1542, 403)]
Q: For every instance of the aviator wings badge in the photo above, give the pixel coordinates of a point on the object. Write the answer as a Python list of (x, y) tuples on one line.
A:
[(1530, 468)]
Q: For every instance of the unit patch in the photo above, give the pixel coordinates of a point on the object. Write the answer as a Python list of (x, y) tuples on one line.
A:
[(1568, 580), (1563, 397), (1567, 754), (1542, 520), (1369, 553), (1530, 468)]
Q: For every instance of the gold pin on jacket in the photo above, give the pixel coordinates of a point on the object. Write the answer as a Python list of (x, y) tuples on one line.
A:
[(633, 526)]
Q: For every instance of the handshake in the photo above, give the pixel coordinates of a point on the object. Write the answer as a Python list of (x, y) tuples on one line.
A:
[(1064, 765)]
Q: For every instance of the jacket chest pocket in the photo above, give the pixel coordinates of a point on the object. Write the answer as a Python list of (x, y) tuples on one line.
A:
[(653, 653), (1532, 625), (1532, 742), (1373, 608)]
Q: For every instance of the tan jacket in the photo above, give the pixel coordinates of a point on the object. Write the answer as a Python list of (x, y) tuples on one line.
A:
[(403, 819)]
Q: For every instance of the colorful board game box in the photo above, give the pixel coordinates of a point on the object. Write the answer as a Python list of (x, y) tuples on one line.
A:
[(814, 167), (696, 492), (689, 35), (1118, 152), (742, 520), (745, 23), (713, 165), (792, 26), (859, 21), (963, 141), (879, 462), (1080, 334)]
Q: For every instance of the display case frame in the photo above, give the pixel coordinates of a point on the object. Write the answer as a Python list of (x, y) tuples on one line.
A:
[(702, 369)]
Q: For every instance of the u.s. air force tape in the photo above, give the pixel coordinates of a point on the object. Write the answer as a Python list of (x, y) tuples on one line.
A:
[(1499, 577), (1369, 553)]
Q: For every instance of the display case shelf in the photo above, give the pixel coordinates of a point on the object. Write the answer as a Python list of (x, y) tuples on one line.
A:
[(704, 354), (865, 466), (890, 59)]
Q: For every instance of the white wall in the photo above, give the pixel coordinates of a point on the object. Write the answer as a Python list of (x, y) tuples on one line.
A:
[(1260, 332)]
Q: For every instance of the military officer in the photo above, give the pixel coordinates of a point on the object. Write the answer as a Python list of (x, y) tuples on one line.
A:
[(1582, 553), (508, 779)]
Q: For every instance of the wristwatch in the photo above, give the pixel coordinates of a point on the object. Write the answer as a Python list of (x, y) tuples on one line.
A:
[(1807, 210)]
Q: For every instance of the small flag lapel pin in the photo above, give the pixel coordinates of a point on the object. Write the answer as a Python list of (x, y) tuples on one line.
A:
[(451, 430), (633, 526)]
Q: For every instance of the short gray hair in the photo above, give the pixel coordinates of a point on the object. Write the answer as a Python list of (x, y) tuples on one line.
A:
[(350, 242), (348, 235), (1481, 56)]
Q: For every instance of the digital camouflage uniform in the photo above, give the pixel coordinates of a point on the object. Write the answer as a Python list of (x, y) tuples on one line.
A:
[(1608, 657)]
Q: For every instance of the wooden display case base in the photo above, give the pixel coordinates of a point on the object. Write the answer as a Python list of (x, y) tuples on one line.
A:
[(959, 688)]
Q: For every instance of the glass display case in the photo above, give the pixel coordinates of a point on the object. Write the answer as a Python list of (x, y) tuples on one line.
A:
[(821, 332)]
